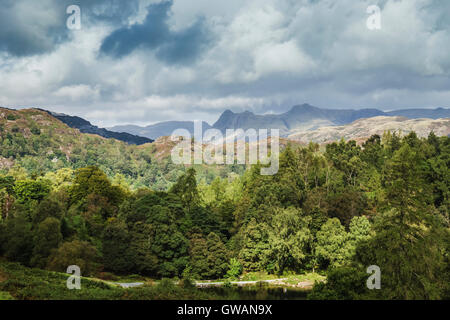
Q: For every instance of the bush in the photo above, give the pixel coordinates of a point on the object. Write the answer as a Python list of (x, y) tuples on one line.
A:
[(342, 284), (35, 130), (235, 269), (107, 276), (187, 284), (78, 253)]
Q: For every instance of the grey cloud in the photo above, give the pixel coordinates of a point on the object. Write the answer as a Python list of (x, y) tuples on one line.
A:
[(29, 27), (26, 29), (154, 33)]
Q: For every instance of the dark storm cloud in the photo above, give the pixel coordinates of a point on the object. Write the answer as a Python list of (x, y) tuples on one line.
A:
[(154, 33), (24, 32), (29, 27)]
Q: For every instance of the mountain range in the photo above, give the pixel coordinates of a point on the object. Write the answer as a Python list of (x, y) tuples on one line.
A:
[(301, 122), (300, 118), (161, 129)]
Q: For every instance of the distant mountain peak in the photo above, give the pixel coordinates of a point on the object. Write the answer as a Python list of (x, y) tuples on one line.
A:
[(303, 107), (299, 117), (228, 111), (225, 118)]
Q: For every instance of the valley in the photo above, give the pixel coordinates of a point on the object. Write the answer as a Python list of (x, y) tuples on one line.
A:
[(124, 212)]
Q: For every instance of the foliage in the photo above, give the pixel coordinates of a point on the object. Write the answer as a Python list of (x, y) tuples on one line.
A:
[(335, 209), (234, 270), (47, 236), (332, 244), (289, 237), (79, 253), (343, 283), (116, 241), (36, 284), (217, 258)]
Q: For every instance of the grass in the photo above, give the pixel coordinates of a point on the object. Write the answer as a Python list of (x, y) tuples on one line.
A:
[(308, 277), (5, 296), (258, 276), (24, 283), (291, 279)]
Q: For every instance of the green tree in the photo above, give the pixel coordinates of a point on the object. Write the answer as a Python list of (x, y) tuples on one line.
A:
[(116, 244), (168, 244), (234, 269), (17, 243), (372, 152), (144, 261), (27, 190), (47, 208), (332, 247), (6, 203), (346, 204), (79, 253), (217, 258), (346, 158), (92, 180), (255, 246), (289, 237), (360, 230), (409, 241), (186, 189), (47, 237), (198, 253), (7, 182), (343, 283)]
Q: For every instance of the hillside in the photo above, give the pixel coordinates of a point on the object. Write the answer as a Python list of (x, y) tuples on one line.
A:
[(38, 142), (15, 281), (159, 129), (86, 127), (421, 113), (365, 128)]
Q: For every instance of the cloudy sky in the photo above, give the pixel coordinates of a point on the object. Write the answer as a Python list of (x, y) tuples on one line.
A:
[(144, 61)]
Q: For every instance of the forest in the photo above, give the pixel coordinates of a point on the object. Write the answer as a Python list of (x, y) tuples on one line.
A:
[(332, 210)]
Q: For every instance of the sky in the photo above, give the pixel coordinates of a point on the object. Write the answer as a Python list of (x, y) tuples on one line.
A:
[(145, 61)]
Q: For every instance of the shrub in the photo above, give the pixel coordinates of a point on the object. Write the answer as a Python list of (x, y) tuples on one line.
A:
[(78, 253), (342, 284), (235, 269)]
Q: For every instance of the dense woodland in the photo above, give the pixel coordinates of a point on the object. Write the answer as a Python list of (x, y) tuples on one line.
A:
[(334, 211)]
